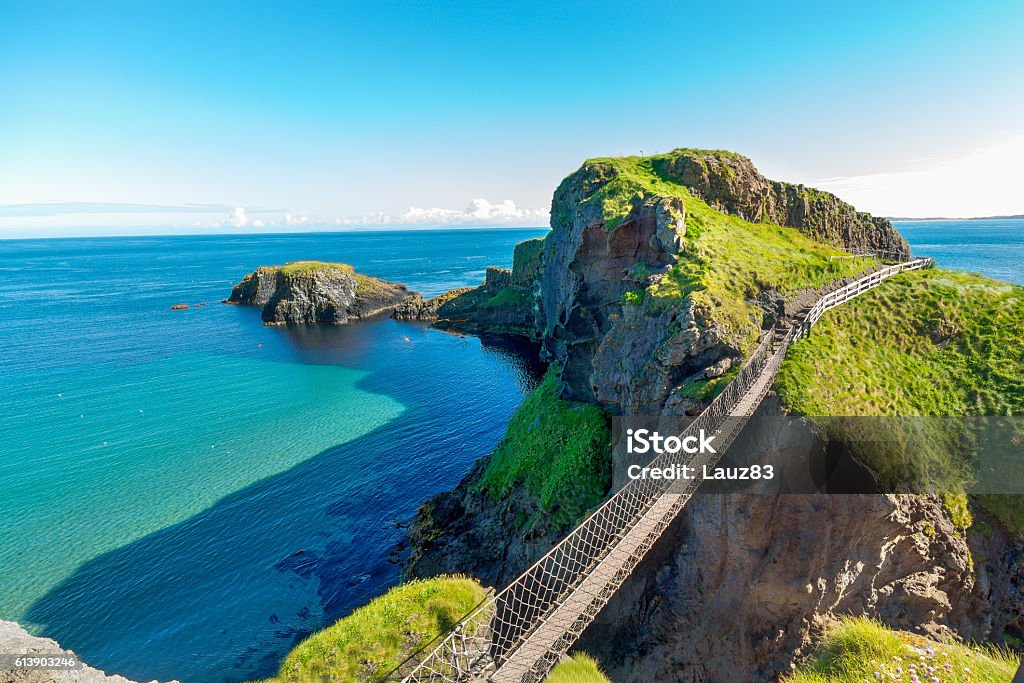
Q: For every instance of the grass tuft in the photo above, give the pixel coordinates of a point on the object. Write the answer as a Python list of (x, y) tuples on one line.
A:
[(582, 668), (859, 649), (378, 636)]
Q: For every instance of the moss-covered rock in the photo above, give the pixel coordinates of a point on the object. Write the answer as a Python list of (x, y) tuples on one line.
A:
[(647, 288)]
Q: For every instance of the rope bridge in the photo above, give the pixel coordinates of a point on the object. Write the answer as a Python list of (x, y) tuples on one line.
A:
[(520, 633)]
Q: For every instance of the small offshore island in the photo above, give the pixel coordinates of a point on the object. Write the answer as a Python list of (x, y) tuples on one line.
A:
[(313, 292), (317, 292)]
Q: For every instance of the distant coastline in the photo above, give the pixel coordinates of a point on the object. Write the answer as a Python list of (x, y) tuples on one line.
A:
[(903, 219)]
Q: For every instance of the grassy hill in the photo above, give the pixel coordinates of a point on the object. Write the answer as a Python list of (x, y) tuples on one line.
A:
[(561, 451)]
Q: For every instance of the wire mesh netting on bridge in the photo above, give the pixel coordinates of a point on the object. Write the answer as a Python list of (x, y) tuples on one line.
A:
[(522, 631)]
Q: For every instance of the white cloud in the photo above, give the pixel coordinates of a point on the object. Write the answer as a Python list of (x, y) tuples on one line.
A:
[(289, 219), (479, 210), (238, 217), (983, 183)]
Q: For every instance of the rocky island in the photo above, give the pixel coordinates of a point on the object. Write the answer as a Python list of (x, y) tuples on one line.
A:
[(310, 292)]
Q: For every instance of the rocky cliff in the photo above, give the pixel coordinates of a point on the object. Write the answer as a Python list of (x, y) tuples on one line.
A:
[(309, 292), (660, 273), (741, 582)]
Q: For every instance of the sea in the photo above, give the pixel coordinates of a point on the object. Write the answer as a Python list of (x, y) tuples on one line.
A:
[(186, 494)]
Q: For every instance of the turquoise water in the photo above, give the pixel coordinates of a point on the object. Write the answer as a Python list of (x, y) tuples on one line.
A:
[(185, 494)]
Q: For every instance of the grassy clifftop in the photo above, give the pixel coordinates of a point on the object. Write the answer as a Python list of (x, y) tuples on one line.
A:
[(310, 267), (561, 451)]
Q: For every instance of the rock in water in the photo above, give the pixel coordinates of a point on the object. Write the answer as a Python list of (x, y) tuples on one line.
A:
[(311, 292)]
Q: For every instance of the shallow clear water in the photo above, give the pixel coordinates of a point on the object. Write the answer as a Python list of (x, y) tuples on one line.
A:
[(183, 494)]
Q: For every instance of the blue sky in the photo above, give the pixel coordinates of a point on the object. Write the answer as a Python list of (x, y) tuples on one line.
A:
[(215, 115)]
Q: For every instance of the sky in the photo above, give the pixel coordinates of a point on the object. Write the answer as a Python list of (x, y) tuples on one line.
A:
[(221, 116)]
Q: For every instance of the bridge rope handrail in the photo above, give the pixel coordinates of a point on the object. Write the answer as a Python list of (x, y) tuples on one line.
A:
[(492, 632)]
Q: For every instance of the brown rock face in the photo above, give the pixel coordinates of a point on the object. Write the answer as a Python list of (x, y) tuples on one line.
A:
[(736, 585), (730, 183)]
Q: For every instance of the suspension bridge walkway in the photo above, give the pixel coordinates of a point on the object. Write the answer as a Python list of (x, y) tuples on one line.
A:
[(520, 633)]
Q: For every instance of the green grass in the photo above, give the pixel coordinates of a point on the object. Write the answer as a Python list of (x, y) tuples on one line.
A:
[(858, 649), (633, 297), (378, 636), (374, 287), (561, 451), (958, 509), (581, 668), (726, 260), (928, 343), (933, 343), (308, 267), (526, 259)]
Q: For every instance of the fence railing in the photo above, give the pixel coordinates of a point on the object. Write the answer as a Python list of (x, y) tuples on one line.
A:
[(490, 634)]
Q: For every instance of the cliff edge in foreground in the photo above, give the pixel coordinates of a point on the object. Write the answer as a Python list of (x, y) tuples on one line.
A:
[(310, 292)]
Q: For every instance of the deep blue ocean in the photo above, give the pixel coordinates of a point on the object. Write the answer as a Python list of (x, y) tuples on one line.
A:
[(183, 494)]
